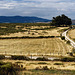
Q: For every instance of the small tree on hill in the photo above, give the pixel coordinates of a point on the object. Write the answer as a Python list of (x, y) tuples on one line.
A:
[(61, 21)]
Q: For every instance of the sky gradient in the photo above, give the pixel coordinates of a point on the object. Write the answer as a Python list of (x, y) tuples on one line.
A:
[(40, 8)]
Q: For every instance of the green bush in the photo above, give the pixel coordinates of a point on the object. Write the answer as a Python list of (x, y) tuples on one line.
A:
[(1, 63), (7, 69)]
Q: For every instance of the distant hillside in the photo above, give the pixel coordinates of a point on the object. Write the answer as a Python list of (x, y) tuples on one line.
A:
[(73, 22), (21, 19)]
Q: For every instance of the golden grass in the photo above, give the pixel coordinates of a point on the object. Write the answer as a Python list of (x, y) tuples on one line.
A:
[(34, 46), (33, 64), (71, 33), (35, 33)]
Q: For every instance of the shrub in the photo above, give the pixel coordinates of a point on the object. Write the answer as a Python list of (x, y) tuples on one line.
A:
[(42, 68), (45, 68), (42, 59), (32, 33), (63, 38), (2, 57), (7, 69), (68, 59), (58, 63), (42, 63), (52, 36), (17, 57), (68, 42), (71, 54), (1, 63)]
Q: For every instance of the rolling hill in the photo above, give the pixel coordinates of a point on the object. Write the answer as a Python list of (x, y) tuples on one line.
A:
[(21, 19), (73, 22)]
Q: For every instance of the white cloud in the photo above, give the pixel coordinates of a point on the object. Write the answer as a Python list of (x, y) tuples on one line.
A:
[(42, 8)]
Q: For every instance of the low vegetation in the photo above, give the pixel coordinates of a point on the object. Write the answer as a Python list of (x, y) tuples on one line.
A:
[(17, 57), (68, 42), (68, 59), (42, 63), (7, 69), (42, 59), (62, 37), (7, 28), (49, 72), (2, 57), (58, 63)]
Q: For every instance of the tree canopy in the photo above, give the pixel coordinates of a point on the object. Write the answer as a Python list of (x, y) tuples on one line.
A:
[(61, 21)]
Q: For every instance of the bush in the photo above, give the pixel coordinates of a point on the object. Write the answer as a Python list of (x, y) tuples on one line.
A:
[(17, 57), (63, 38), (42, 63), (2, 57), (32, 33), (42, 59), (45, 68), (7, 69), (68, 42), (42, 68), (71, 54), (58, 63), (68, 59), (52, 36), (1, 63)]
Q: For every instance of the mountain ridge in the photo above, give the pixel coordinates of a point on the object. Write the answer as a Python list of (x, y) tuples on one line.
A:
[(22, 19)]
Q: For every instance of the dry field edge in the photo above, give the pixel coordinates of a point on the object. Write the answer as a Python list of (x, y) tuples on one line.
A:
[(41, 46)]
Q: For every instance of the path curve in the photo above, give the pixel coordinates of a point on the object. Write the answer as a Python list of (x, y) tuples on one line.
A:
[(67, 38)]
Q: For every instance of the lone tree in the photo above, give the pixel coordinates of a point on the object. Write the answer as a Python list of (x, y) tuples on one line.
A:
[(61, 21)]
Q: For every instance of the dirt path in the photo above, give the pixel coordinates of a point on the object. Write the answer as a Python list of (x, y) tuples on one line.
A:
[(67, 38)]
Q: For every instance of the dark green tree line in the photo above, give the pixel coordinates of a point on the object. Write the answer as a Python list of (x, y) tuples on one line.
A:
[(61, 21)]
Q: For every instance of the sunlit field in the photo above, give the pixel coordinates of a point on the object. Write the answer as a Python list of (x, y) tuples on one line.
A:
[(34, 46), (71, 34)]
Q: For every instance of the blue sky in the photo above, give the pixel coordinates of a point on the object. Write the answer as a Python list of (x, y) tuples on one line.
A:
[(40, 8)]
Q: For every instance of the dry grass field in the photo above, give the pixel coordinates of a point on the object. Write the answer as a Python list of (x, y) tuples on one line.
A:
[(71, 33), (35, 31), (55, 67), (34, 46)]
